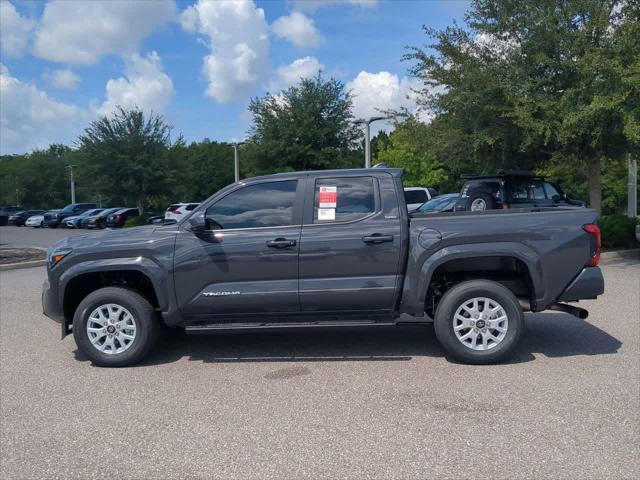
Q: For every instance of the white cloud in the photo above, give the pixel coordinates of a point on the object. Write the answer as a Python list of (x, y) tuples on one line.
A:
[(288, 75), (79, 32), (145, 86), (374, 93), (298, 29), (29, 119), (313, 5), (14, 30), (61, 79), (239, 40)]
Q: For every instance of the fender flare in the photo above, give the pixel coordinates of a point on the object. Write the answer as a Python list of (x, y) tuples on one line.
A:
[(156, 274), (519, 251)]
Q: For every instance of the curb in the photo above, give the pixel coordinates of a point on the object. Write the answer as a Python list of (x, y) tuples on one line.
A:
[(18, 266), (29, 264)]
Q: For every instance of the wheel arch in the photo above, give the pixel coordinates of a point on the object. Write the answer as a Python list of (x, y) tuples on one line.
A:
[(139, 274), (470, 254)]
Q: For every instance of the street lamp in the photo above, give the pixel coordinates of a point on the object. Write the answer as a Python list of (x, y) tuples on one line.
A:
[(73, 184), (367, 137), (236, 160)]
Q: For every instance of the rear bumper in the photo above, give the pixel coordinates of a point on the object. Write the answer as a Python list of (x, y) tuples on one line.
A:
[(588, 284)]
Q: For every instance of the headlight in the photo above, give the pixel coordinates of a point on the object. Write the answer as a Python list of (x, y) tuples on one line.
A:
[(57, 255)]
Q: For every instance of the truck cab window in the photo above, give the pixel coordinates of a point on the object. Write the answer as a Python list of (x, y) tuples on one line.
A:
[(348, 199), (261, 205)]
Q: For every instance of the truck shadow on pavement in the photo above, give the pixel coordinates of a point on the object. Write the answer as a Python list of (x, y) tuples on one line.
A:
[(553, 335)]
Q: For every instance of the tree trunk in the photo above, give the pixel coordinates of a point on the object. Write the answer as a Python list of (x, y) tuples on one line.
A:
[(140, 206), (594, 179)]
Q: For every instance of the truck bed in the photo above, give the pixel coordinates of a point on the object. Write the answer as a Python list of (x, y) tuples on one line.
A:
[(549, 242)]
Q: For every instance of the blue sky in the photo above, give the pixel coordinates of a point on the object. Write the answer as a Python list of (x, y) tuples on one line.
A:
[(196, 62)]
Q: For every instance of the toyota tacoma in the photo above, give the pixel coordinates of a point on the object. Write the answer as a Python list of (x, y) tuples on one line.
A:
[(334, 248)]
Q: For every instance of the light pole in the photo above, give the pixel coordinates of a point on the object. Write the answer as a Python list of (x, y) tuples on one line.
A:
[(236, 160), (632, 199), (73, 184), (367, 137)]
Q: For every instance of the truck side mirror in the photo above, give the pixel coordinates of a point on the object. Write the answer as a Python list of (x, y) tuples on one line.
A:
[(198, 222)]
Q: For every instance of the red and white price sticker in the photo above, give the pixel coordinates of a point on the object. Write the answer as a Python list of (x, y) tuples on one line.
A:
[(328, 197)]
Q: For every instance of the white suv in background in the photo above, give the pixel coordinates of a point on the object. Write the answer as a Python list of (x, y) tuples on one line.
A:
[(416, 196), (178, 210)]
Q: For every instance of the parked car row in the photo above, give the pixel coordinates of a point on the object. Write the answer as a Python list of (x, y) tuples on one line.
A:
[(89, 215)]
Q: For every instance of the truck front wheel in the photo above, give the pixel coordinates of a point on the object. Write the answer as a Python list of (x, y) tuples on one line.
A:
[(479, 322), (115, 327)]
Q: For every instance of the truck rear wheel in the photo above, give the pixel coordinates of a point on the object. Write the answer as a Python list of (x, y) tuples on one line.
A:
[(479, 322), (115, 327)]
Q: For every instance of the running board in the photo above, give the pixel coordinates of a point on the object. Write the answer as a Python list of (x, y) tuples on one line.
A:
[(217, 327)]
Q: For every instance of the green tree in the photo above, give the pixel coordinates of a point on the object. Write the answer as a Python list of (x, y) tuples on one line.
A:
[(38, 179), (128, 155), (307, 126), (199, 169), (532, 83), (408, 148)]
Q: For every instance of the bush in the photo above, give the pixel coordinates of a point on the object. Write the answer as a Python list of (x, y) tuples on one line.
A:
[(618, 231), (135, 222)]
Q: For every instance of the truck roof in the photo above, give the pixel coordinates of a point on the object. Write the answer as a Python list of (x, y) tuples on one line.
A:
[(396, 172)]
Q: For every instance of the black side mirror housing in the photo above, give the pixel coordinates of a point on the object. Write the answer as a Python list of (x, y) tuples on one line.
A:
[(198, 222), (556, 198)]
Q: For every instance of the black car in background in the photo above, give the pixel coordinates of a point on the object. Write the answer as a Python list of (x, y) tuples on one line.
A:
[(53, 220), (19, 218), (99, 220), (511, 189), (5, 212), (441, 203), (118, 219)]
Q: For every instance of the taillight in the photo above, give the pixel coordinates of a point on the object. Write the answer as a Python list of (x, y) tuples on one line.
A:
[(596, 243), (119, 217), (505, 206)]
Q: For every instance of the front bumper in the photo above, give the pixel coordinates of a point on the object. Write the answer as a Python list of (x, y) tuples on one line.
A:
[(50, 306), (587, 285)]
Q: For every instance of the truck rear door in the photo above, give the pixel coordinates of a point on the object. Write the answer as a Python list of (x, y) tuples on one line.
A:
[(351, 244)]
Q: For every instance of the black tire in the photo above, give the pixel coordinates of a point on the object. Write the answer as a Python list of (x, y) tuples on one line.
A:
[(455, 297), (489, 202), (147, 326)]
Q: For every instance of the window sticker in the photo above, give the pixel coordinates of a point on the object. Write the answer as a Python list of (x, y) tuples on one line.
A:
[(326, 214), (328, 197)]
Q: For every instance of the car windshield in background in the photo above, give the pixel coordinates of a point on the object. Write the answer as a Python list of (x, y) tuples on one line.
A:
[(415, 196), (95, 211), (438, 204), (526, 190)]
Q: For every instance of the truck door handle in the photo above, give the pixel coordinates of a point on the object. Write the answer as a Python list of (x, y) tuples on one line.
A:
[(281, 243), (377, 238)]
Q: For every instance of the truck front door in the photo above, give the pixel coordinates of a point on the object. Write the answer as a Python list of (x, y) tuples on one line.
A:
[(247, 260)]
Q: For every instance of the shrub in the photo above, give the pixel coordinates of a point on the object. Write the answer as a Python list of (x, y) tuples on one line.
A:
[(618, 231), (135, 222)]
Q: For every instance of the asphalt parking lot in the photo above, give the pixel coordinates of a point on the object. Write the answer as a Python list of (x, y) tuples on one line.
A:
[(11, 236), (354, 404)]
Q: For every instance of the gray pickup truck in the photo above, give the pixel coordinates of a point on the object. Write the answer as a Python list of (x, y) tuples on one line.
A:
[(334, 248)]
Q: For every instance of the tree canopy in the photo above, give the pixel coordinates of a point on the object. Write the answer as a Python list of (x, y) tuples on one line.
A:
[(308, 126), (532, 84)]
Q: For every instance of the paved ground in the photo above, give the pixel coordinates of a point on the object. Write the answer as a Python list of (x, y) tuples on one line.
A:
[(11, 236), (379, 404)]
